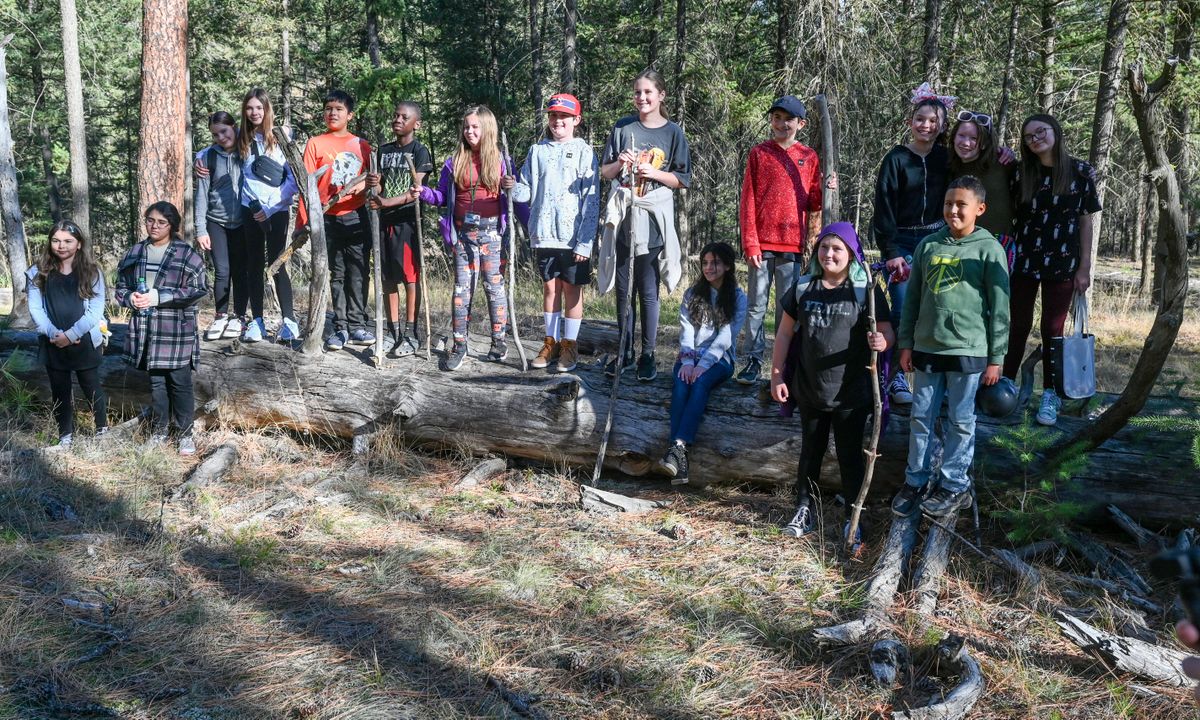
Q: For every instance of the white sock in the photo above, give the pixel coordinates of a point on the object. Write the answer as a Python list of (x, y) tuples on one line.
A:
[(570, 328), (552, 324)]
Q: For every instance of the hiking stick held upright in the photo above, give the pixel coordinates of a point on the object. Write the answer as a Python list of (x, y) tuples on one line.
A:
[(377, 267), (512, 263), (412, 170), (872, 449)]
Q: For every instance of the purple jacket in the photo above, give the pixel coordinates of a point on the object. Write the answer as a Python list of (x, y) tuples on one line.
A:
[(443, 197)]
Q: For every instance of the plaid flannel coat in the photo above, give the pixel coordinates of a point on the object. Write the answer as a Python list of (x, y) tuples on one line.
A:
[(167, 338)]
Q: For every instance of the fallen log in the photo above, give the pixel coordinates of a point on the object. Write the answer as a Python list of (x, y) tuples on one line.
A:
[(951, 654), (1127, 654), (211, 470), (557, 419), (932, 566), (609, 503)]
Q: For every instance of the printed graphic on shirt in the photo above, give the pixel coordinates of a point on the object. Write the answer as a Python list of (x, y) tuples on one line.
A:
[(394, 167), (821, 314), (346, 167), (944, 273)]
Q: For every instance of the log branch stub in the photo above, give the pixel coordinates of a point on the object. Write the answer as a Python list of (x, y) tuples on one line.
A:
[(1125, 653), (211, 470), (481, 473), (605, 502), (951, 654)]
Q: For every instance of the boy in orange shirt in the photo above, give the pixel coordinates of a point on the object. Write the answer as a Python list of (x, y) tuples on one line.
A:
[(346, 235)]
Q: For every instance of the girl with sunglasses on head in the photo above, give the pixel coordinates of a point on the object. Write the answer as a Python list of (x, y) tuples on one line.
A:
[(1056, 198), (973, 146)]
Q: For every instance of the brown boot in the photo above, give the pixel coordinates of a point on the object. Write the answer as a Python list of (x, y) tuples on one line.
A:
[(568, 355), (548, 353)]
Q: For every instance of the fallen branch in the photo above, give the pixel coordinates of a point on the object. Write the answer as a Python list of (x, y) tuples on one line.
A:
[(610, 502), (1145, 539), (1125, 653), (211, 470), (1118, 591), (1106, 561), (482, 472), (952, 654), (520, 702), (932, 566)]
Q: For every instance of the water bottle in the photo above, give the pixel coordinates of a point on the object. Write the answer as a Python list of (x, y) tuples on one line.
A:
[(142, 290)]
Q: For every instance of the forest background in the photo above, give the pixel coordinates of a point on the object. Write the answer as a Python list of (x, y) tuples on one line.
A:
[(724, 62)]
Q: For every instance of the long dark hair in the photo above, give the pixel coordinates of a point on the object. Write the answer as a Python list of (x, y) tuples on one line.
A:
[(700, 308), (942, 112), (1063, 171), (84, 266), (169, 213), (987, 151)]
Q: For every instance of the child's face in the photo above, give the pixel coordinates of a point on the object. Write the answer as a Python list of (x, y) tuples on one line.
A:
[(64, 245), (833, 255), (562, 125), (714, 270), (966, 142), (963, 207), (784, 126), (157, 227), (472, 131), (925, 124), (405, 122), (1038, 137), (337, 116), (223, 135), (646, 97), (254, 112)]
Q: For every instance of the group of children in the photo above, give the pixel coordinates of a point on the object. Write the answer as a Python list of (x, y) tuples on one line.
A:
[(951, 224)]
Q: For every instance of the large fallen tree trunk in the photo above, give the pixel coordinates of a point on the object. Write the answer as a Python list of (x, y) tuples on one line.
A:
[(557, 418)]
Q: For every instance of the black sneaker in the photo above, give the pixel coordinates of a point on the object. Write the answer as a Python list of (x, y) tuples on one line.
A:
[(612, 368), (943, 502), (749, 374), (670, 461), (801, 522), (498, 352), (681, 465), (907, 500), (454, 359), (646, 371)]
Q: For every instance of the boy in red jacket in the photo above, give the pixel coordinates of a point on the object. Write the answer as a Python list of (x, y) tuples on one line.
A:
[(780, 218)]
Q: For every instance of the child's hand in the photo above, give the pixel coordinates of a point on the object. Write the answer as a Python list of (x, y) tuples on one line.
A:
[(991, 376), (414, 194), (906, 360), (199, 170), (204, 241), (831, 181), (899, 269), (689, 373), (647, 171), (260, 216), (581, 258), (1190, 636), (628, 157), (1005, 156), (876, 341), (140, 301), (779, 389), (507, 182), (372, 180), (60, 340), (754, 261)]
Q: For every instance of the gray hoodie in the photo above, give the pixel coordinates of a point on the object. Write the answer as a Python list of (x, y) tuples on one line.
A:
[(561, 184), (217, 195)]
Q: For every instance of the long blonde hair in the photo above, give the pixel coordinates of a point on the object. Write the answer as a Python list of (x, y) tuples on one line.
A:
[(268, 122), (489, 151)]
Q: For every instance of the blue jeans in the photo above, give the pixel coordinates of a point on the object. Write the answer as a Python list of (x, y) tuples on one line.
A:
[(781, 268), (928, 390), (688, 401), (905, 242)]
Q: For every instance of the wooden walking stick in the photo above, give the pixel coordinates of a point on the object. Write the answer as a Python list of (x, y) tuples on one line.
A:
[(622, 340), (377, 266), (512, 264), (876, 421), (412, 170)]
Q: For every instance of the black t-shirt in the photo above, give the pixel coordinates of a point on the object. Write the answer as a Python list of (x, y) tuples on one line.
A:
[(395, 178), (665, 147), (1047, 227), (831, 369)]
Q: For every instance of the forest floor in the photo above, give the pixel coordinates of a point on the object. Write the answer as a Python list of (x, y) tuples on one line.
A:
[(311, 582)]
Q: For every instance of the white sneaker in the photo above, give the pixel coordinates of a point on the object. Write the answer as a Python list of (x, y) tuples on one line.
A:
[(1047, 413), (254, 331), (217, 329), (65, 441), (233, 328), (289, 330), (187, 446), (899, 390)]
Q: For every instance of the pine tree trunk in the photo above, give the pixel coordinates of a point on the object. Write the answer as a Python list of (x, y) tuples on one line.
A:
[(285, 63), (656, 14), (73, 78), (535, 87), (1010, 69), (1049, 42), (929, 49), (161, 160), (1104, 119), (53, 193), (371, 34), (684, 224), (10, 202), (570, 59)]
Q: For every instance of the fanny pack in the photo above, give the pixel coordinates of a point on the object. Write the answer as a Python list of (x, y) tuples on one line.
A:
[(266, 168)]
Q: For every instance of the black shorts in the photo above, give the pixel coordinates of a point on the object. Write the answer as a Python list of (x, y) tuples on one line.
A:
[(398, 246), (562, 265)]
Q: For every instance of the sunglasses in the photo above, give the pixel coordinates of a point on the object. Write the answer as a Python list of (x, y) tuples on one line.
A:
[(981, 118)]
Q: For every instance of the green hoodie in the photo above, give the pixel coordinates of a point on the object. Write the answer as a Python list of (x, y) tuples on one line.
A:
[(957, 297)]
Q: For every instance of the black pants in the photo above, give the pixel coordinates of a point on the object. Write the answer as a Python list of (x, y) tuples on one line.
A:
[(646, 278), (171, 395), (263, 245), (349, 252), (230, 266), (64, 407), (849, 428)]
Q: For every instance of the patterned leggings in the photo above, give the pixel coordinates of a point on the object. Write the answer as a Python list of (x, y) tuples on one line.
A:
[(475, 251)]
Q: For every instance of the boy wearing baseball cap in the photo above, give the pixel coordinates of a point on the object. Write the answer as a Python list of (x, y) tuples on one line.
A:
[(780, 218), (560, 183)]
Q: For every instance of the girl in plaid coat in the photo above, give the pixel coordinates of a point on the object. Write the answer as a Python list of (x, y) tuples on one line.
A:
[(162, 337)]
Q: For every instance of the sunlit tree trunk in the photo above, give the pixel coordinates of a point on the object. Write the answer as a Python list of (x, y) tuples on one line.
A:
[(1104, 119), (10, 204), (161, 145), (73, 78), (570, 58)]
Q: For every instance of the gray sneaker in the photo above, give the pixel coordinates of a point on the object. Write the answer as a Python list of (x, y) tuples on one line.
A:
[(1047, 413), (187, 446), (407, 346), (801, 523)]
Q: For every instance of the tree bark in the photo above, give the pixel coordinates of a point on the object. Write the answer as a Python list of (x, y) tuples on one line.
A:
[(161, 160), (829, 160), (1135, 251), (1104, 118), (535, 85), (1049, 42), (371, 34), (1172, 229), (53, 194), (570, 58), (684, 217), (656, 14), (929, 49), (285, 68), (73, 78), (10, 202), (1147, 269), (1010, 69)]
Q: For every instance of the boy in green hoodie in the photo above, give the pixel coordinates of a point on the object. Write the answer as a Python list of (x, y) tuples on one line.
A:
[(954, 337)]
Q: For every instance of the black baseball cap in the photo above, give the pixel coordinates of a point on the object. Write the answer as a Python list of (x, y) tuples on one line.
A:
[(791, 105)]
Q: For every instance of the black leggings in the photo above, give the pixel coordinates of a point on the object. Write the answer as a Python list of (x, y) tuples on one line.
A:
[(230, 264), (261, 250), (849, 429), (646, 277), (64, 404)]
